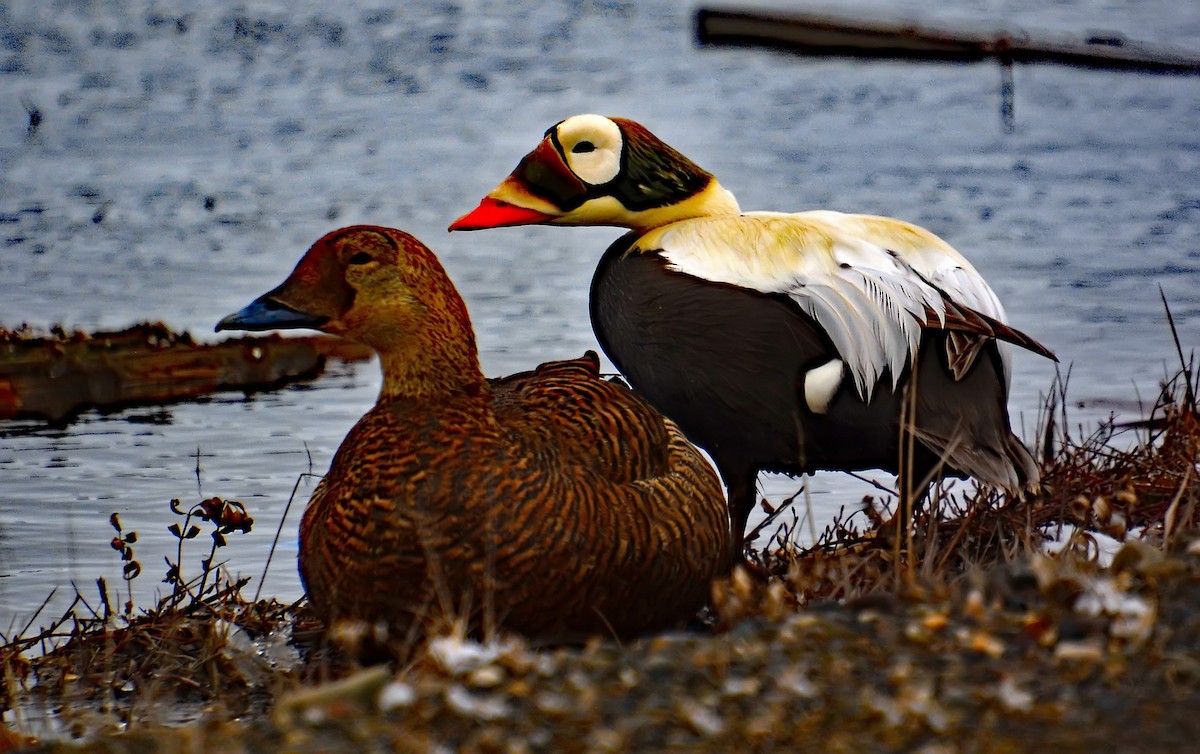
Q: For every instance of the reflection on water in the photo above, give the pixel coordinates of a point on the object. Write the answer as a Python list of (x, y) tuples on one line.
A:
[(60, 486), (185, 154)]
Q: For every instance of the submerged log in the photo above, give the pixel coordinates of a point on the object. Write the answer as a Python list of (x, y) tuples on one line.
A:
[(59, 374), (833, 37)]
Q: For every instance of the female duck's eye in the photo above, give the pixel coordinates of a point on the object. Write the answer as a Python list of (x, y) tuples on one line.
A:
[(583, 146), (361, 257)]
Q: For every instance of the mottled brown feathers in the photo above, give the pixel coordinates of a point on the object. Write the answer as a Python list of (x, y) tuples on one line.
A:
[(525, 502), (551, 502), (583, 421)]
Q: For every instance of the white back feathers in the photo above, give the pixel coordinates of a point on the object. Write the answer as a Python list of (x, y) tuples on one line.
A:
[(870, 282)]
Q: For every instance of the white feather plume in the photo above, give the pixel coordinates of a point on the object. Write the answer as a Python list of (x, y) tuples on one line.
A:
[(869, 282)]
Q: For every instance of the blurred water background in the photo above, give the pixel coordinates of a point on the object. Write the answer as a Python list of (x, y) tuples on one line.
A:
[(189, 151)]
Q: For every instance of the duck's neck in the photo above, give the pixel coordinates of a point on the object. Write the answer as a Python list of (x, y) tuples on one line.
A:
[(425, 372), (713, 199)]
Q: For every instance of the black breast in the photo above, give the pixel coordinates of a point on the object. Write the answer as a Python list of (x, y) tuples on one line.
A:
[(727, 364)]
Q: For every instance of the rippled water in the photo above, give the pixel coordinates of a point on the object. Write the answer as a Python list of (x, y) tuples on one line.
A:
[(188, 153)]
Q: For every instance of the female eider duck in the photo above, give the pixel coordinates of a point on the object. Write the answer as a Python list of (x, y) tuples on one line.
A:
[(552, 503), (778, 342)]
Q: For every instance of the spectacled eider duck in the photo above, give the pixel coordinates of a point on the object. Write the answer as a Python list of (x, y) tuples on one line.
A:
[(778, 342)]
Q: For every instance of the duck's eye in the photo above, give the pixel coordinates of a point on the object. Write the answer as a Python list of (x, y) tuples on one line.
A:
[(361, 257), (583, 146)]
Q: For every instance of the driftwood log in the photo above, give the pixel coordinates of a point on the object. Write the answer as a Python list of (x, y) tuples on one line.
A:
[(827, 36), (57, 375)]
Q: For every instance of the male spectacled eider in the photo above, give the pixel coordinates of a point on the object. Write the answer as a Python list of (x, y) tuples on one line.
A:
[(778, 342)]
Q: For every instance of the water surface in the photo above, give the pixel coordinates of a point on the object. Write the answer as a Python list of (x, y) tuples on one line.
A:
[(189, 152)]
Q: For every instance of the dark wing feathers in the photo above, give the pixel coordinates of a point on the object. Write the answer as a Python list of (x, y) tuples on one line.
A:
[(967, 320)]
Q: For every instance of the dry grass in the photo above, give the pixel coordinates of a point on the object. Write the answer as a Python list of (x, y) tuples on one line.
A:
[(105, 665), (1140, 477)]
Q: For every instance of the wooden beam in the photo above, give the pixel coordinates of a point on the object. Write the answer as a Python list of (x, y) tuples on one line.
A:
[(824, 36)]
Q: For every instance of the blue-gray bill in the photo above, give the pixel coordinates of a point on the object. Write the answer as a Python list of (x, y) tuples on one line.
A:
[(267, 314)]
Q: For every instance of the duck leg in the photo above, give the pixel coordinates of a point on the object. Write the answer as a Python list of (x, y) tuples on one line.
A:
[(743, 493)]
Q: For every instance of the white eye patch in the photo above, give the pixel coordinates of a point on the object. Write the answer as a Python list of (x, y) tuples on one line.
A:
[(592, 146)]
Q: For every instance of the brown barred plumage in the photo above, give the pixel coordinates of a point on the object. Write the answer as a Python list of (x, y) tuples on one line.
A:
[(551, 502)]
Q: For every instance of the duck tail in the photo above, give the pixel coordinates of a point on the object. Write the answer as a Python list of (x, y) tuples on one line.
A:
[(1024, 465), (1009, 465)]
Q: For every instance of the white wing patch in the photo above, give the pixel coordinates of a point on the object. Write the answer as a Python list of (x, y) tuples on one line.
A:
[(937, 262), (821, 384), (868, 281)]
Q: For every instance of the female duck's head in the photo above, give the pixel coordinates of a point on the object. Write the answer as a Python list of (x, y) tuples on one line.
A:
[(385, 289)]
